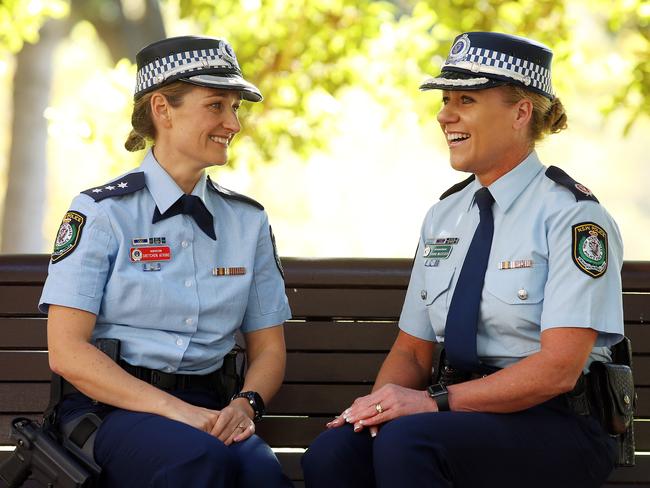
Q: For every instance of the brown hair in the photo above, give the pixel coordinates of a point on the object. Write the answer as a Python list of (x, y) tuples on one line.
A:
[(548, 116), (141, 120)]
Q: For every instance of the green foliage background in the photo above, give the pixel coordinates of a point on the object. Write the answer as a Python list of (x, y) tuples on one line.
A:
[(314, 60), (299, 50)]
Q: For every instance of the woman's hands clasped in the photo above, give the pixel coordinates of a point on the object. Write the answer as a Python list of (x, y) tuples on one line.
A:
[(231, 424), (387, 403)]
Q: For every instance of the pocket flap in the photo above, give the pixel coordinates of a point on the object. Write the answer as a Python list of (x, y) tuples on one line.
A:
[(517, 286), (437, 282)]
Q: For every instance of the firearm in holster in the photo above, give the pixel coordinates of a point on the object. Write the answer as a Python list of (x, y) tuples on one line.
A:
[(232, 374), (614, 399), (607, 393), (40, 455), (61, 456)]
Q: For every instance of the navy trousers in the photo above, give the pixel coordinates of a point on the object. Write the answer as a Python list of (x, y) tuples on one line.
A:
[(140, 450), (545, 446)]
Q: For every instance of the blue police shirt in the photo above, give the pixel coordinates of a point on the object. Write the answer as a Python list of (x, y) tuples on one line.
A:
[(171, 294), (554, 262)]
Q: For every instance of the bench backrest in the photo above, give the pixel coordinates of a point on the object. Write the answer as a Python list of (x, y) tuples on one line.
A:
[(345, 320)]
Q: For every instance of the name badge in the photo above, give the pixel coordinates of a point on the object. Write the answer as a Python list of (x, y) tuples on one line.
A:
[(439, 248), (150, 253)]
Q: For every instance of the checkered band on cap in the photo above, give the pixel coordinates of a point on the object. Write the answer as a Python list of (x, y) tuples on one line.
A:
[(188, 62), (480, 60), (485, 61)]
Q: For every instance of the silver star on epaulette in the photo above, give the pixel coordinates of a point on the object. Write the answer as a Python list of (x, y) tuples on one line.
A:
[(97, 190), (110, 187), (124, 184)]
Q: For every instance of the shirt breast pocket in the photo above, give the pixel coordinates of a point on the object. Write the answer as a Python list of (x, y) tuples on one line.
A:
[(437, 296), (512, 308), (522, 286)]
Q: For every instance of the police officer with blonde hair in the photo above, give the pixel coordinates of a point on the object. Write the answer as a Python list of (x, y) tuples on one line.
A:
[(171, 265), (517, 275)]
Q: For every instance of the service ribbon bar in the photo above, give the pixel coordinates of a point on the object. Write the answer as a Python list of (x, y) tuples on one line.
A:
[(521, 263), (236, 271)]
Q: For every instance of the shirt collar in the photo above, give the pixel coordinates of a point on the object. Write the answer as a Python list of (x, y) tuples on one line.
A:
[(162, 186), (506, 189)]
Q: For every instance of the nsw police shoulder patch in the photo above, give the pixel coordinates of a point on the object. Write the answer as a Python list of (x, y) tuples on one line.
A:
[(278, 263), (589, 244), (68, 235)]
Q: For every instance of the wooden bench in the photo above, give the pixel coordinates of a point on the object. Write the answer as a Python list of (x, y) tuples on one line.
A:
[(345, 313)]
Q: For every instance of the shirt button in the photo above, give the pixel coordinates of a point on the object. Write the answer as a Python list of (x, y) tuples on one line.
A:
[(185, 243), (188, 321), (188, 283), (423, 294), (522, 294), (179, 342)]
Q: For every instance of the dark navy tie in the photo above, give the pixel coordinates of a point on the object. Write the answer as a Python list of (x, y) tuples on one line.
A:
[(462, 318), (190, 205)]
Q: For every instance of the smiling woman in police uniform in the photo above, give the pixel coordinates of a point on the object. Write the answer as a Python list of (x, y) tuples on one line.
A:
[(517, 273), (173, 265)]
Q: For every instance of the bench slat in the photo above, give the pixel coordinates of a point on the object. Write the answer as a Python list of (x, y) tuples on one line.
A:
[(19, 300), (315, 399), (333, 367), (28, 333), (24, 366), (24, 397), (327, 335), (353, 303), (291, 431), (636, 307)]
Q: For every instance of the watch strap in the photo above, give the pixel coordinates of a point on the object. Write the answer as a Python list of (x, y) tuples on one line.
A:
[(440, 395), (255, 401)]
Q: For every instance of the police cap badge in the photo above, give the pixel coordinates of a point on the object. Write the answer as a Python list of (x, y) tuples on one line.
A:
[(479, 60), (204, 61)]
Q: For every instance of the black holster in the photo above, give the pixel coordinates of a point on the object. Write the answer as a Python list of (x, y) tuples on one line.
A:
[(613, 399), (231, 379)]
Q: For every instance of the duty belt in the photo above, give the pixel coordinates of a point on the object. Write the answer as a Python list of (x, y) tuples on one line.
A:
[(171, 381), (577, 400), (162, 380)]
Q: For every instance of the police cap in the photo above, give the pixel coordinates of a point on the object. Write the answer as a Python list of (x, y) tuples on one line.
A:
[(204, 61), (479, 60)]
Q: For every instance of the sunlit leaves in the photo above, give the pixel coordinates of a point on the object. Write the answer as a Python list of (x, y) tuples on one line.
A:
[(290, 48), (629, 20), (20, 20)]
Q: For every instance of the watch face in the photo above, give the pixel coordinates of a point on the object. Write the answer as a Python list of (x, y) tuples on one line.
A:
[(255, 401), (437, 389)]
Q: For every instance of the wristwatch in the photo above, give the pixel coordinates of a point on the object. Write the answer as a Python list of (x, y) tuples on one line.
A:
[(441, 396), (255, 401)]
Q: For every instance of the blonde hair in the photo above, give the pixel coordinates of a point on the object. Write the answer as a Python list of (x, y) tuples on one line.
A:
[(548, 116), (141, 119)]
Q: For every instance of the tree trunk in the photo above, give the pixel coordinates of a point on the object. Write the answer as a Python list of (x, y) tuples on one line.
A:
[(22, 224)]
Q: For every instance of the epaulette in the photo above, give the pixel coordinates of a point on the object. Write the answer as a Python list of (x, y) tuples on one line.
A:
[(226, 193), (581, 192), (457, 187), (128, 183)]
